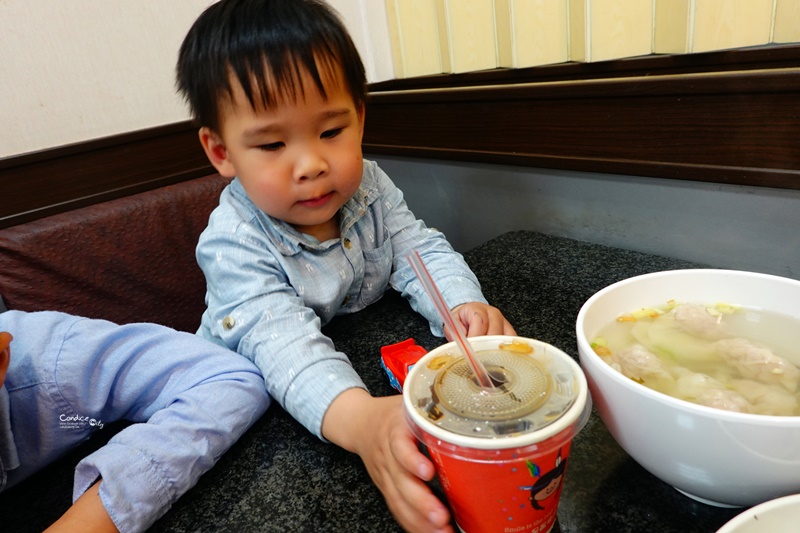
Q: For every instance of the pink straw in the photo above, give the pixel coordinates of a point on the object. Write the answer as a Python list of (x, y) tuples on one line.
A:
[(453, 328)]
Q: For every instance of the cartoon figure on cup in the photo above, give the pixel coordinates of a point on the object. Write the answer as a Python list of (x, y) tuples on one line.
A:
[(548, 484)]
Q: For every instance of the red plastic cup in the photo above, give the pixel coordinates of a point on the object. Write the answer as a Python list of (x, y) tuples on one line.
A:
[(500, 472)]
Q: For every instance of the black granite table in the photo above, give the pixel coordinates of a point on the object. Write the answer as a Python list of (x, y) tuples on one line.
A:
[(279, 478)]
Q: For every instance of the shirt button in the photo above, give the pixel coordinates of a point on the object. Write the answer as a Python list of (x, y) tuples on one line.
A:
[(228, 322), (347, 244), (346, 299)]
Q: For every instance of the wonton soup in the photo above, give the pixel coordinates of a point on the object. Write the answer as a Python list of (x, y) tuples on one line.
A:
[(722, 356)]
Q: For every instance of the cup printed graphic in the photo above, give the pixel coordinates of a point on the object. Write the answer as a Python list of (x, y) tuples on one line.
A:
[(548, 484)]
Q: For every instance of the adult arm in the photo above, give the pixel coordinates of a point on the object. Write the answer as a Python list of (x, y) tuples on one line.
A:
[(189, 399)]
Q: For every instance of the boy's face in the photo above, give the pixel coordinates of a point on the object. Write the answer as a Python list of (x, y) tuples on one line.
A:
[(298, 162)]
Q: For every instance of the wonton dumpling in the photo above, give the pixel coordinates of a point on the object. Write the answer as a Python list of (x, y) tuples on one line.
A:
[(705, 390), (695, 320), (665, 335), (639, 364), (766, 399), (758, 363)]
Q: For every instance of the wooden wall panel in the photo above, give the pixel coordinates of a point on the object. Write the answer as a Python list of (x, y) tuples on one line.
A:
[(57, 180), (735, 127)]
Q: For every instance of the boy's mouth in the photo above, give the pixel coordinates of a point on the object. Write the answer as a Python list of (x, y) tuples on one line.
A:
[(316, 202)]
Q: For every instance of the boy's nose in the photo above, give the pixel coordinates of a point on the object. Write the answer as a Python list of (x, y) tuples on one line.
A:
[(310, 166)]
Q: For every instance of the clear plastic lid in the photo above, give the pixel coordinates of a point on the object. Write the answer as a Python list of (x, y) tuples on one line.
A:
[(532, 390)]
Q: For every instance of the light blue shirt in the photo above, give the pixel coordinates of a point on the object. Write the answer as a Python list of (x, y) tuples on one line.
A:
[(271, 288), (69, 376)]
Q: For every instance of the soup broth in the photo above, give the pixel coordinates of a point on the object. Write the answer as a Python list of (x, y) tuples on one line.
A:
[(722, 356)]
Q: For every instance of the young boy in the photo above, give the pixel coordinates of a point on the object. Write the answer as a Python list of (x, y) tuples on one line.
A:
[(64, 377), (308, 229)]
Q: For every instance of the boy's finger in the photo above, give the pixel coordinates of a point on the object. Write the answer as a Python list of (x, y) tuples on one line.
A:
[(406, 452)]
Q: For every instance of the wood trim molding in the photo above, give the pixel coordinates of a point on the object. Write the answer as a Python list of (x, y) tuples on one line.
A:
[(726, 117), (52, 181), (757, 58), (737, 127)]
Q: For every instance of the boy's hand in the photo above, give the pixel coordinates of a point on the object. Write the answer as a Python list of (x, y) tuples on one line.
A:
[(482, 319), (376, 430)]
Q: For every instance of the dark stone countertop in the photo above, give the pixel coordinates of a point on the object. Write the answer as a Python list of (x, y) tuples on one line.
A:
[(279, 478)]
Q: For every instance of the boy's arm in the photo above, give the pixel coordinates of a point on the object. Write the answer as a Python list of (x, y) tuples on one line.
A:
[(254, 310), (453, 277), (87, 515)]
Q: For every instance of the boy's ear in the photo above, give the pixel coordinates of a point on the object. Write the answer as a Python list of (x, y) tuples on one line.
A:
[(216, 152)]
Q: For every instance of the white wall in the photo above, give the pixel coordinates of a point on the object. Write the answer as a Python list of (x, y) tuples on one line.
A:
[(369, 29), (82, 69), (75, 70), (726, 226)]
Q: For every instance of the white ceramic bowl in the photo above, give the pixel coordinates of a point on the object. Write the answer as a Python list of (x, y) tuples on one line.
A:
[(781, 515), (718, 457)]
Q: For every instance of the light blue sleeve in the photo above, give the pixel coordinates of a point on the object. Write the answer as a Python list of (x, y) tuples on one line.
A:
[(189, 399), (253, 309), (455, 280)]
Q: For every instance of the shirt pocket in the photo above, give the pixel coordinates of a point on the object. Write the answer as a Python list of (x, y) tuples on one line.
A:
[(377, 269)]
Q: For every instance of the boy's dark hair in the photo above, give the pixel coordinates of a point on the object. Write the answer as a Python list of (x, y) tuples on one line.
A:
[(266, 45)]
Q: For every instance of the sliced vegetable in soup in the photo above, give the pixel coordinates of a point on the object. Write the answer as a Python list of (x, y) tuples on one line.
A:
[(722, 356)]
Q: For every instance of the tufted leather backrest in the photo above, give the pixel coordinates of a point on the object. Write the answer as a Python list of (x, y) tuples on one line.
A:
[(125, 260)]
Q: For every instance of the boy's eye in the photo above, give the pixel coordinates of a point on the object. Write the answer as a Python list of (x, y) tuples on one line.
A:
[(271, 147), (329, 134)]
